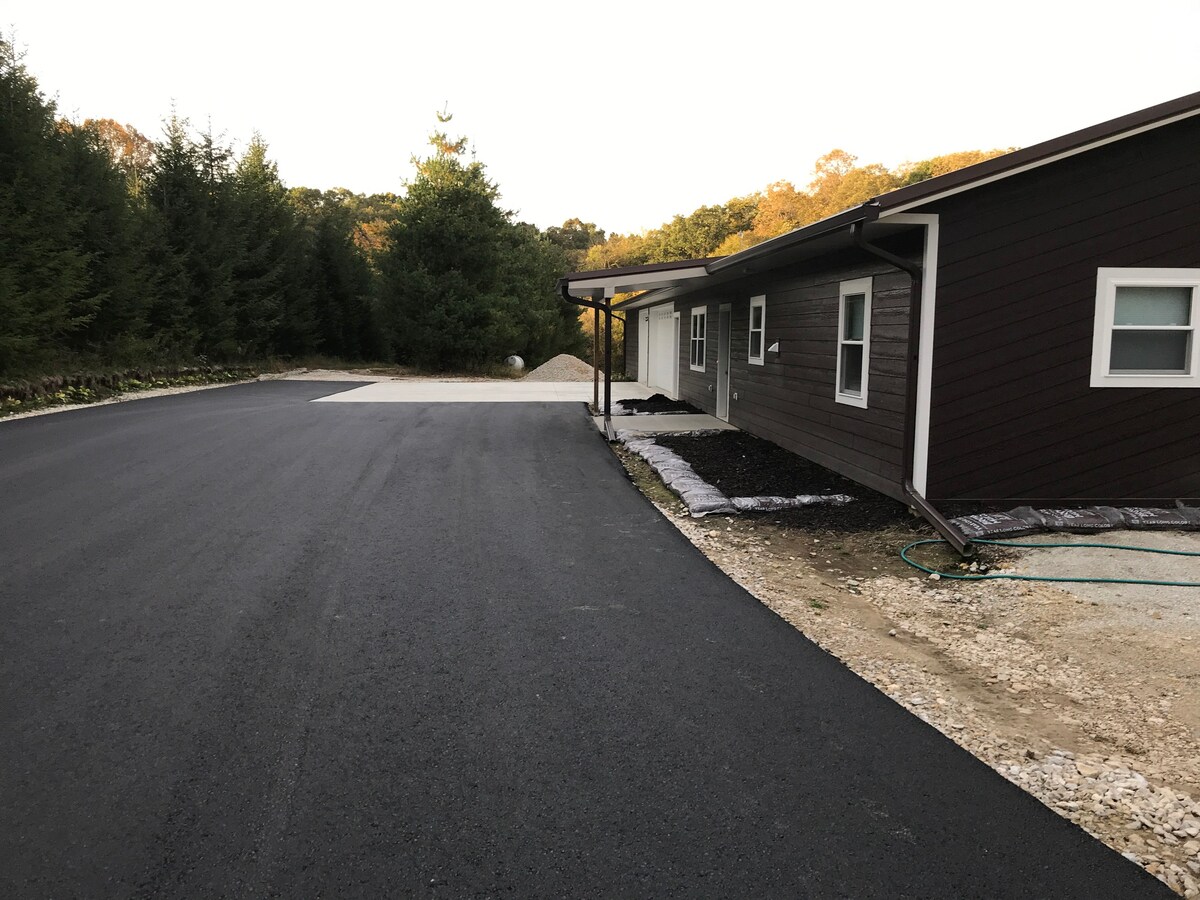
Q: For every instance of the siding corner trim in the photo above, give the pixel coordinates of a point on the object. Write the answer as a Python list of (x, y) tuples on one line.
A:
[(929, 263)]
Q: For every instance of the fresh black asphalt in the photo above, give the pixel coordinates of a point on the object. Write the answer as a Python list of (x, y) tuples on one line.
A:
[(254, 646)]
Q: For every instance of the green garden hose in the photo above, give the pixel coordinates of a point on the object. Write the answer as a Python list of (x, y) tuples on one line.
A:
[(916, 565)]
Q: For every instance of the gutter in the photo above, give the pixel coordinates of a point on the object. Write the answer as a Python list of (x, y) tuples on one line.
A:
[(941, 524)]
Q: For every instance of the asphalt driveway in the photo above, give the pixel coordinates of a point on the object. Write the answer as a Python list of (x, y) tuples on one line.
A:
[(255, 646)]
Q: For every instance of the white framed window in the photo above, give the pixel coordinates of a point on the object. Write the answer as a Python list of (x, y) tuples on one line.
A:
[(758, 329), (854, 342), (699, 334), (1145, 328)]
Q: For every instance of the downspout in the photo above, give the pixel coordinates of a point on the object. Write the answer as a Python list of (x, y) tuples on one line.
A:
[(606, 308), (941, 524)]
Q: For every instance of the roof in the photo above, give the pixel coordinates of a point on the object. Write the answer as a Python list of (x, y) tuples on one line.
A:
[(1041, 154), (904, 199)]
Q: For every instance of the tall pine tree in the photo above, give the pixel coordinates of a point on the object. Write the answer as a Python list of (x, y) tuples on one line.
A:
[(45, 291), (189, 187), (461, 283), (272, 306)]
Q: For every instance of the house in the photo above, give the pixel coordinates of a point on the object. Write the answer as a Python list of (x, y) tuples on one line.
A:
[(1019, 331)]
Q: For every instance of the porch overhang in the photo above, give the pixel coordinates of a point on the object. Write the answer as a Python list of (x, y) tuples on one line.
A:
[(634, 279)]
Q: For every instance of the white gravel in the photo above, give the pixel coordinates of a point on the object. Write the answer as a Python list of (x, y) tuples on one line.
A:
[(563, 367)]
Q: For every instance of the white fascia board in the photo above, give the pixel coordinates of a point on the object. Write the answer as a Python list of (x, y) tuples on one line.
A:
[(999, 176), (929, 264), (627, 284)]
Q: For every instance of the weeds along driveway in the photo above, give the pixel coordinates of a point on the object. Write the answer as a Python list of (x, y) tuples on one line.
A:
[(255, 645)]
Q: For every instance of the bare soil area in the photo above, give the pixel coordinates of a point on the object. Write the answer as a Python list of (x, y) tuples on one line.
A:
[(1087, 696)]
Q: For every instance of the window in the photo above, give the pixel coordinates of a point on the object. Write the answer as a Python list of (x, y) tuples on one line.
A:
[(699, 331), (1145, 328), (758, 326), (854, 341)]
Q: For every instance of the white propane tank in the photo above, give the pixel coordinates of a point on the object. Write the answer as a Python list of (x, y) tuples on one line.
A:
[(515, 362)]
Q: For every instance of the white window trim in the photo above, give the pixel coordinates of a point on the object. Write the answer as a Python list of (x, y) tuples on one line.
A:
[(702, 339), (848, 288), (1107, 281), (759, 302)]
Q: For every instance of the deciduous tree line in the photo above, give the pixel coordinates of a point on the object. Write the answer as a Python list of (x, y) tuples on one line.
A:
[(838, 183)]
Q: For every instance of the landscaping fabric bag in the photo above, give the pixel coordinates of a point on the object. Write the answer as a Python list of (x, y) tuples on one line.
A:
[(700, 497), (994, 526), (1140, 518), (702, 502), (1191, 513), (1076, 521)]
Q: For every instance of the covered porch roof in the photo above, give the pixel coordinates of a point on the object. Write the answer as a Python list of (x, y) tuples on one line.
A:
[(630, 279)]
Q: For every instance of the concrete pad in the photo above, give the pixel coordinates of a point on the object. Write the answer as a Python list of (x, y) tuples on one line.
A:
[(485, 392), (665, 424)]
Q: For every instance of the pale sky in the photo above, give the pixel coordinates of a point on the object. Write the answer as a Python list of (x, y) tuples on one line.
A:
[(620, 113)]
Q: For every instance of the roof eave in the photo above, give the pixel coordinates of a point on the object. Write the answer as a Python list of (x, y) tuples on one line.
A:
[(863, 213), (628, 279), (1044, 153)]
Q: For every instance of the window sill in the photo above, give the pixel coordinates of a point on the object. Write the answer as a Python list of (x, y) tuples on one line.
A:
[(1145, 381), (851, 400)]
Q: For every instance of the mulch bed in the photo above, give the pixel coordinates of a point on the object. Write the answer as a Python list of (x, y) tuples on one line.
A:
[(658, 404), (741, 465)]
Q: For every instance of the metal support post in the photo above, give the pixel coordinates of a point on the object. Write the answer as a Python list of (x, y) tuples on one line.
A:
[(607, 357), (596, 359)]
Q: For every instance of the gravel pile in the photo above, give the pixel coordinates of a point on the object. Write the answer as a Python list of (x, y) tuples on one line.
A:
[(563, 367)]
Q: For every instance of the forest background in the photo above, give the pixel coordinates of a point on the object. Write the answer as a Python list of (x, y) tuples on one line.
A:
[(122, 252)]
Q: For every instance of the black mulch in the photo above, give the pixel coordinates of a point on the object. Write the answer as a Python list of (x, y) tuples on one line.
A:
[(658, 404), (741, 465)]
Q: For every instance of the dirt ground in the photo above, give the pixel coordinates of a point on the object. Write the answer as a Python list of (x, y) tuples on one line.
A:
[(1087, 696)]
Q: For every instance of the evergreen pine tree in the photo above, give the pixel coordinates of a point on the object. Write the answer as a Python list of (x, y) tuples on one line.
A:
[(189, 187), (45, 289), (462, 285)]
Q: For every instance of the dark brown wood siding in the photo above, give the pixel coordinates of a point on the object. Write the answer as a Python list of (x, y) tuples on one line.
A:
[(1013, 415), (789, 400)]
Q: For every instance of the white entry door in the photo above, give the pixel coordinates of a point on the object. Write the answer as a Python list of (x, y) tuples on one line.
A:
[(724, 320), (675, 367), (643, 361), (664, 349)]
